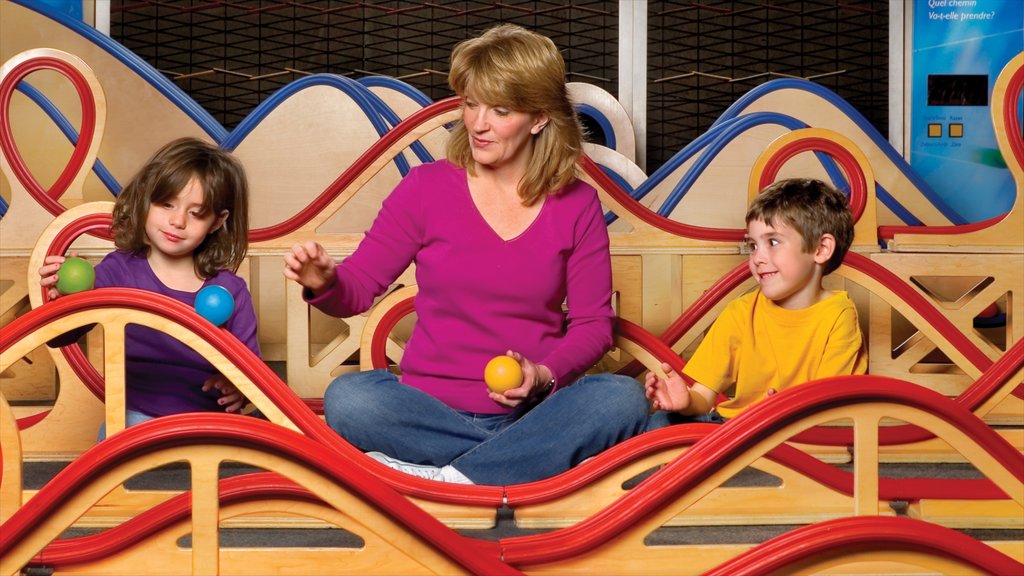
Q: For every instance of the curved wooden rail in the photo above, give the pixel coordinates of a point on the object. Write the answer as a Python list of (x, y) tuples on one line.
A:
[(90, 218), (93, 547), (231, 357), (895, 291), (828, 544), (206, 440), (752, 434), (831, 400), (667, 230)]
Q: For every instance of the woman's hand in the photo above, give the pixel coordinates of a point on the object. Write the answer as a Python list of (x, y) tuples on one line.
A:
[(231, 399), (310, 265), (48, 275), (535, 383)]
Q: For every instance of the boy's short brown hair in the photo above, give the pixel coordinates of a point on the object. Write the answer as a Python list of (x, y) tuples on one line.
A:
[(812, 208)]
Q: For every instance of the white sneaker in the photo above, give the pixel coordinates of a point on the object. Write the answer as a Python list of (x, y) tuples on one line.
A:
[(419, 470), (446, 473), (451, 475)]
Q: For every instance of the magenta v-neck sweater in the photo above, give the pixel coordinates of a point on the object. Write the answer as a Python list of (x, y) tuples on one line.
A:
[(480, 295)]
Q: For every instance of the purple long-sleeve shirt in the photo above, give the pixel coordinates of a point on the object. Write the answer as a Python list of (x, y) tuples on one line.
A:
[(163, 375), (480, 295)]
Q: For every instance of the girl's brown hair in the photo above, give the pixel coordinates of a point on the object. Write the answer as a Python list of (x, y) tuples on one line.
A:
[(522, 70), (224, 185)]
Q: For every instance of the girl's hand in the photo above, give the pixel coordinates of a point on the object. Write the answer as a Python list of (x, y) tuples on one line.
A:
[(310, 265), (534, 386), (48, 275), (231, 399)]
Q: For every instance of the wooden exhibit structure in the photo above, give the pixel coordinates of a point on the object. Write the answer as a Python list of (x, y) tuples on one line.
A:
[(939, 306)]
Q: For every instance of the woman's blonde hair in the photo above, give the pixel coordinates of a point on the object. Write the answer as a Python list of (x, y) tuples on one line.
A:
[(164, 176), (523, 71)]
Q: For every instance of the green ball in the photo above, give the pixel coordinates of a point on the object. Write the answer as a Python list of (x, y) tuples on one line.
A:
[(75, 275)]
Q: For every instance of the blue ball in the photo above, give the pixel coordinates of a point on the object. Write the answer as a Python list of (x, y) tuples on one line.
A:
[(215, 304)]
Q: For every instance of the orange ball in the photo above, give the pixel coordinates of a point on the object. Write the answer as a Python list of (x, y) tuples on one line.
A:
[(503, 373)]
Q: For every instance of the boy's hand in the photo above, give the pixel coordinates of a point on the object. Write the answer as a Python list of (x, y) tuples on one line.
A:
[(310, 265), (670, 393), (231, 399), (48, 275), (535, 379)]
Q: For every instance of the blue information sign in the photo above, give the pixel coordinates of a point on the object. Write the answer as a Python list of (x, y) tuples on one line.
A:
[(959, 48)]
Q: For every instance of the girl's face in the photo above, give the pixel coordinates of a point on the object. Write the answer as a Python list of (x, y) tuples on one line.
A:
[(787, 274), (498, 136), (177, 226)]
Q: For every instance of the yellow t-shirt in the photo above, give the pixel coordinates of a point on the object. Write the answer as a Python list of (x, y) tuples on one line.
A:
[(756, 345)]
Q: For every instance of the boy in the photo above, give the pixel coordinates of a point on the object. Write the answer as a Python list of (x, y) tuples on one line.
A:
[(788, 331)]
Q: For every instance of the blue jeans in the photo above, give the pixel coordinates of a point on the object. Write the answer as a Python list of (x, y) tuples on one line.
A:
[(376, 412), (131, 418), (663, 418)]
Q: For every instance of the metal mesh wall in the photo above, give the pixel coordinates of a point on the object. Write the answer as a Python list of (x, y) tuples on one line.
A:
[(702, 56), (229, 56)]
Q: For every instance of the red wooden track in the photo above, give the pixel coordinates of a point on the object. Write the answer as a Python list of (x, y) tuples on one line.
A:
[(784, 553), (310, 424), (239, 431), (349, 468), (744, 432)]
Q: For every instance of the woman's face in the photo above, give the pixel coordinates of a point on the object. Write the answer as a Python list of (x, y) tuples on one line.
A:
[(498, 136)]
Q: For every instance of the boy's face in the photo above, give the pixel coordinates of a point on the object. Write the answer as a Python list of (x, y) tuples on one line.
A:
[(787, 274)]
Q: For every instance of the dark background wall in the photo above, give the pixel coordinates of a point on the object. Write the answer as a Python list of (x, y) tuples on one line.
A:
[(231, 55)]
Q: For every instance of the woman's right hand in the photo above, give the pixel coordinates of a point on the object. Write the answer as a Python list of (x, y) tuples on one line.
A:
[(310, 265), (48, 275)]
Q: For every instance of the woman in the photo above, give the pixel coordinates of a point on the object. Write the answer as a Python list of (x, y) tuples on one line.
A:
[(502, 233)]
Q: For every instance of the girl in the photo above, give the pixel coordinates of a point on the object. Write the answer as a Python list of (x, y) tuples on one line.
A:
[(180, 224)]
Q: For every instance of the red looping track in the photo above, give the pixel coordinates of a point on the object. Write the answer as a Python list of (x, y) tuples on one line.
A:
[(858, 181), (48, 199)]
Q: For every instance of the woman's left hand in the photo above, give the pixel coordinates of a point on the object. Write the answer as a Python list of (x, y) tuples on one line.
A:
[(534, 386)]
